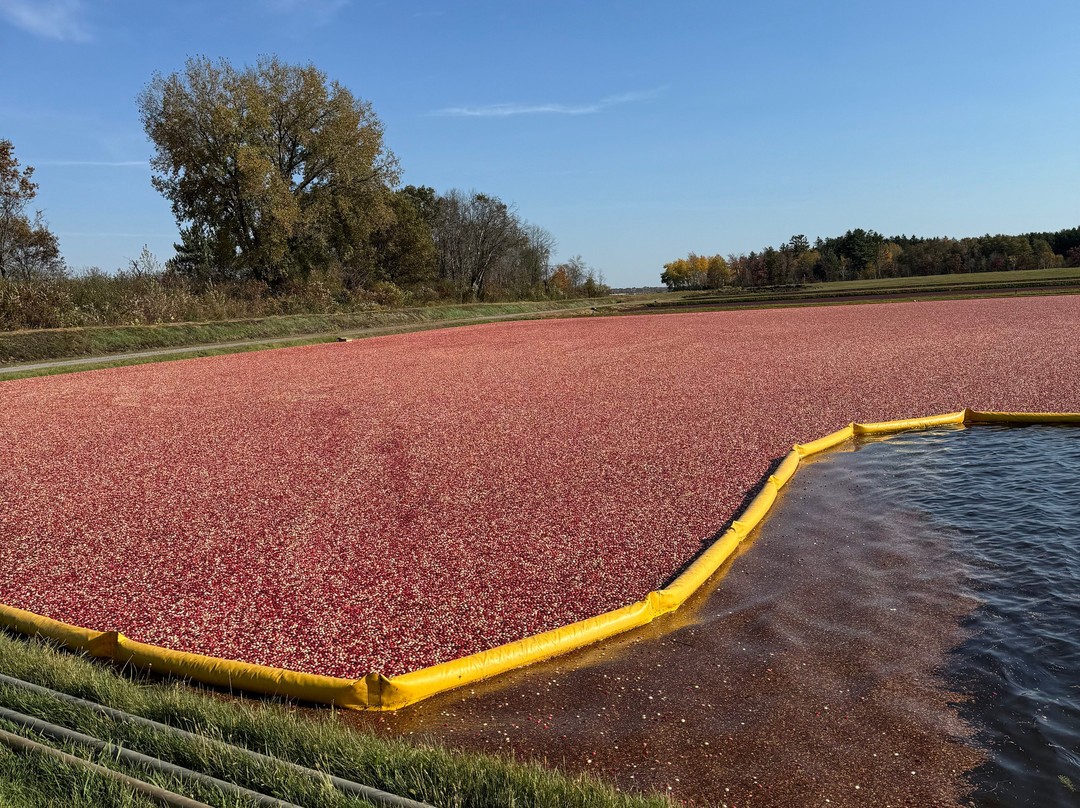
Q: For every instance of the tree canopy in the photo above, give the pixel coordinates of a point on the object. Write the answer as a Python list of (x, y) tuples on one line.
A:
[(271, 170), (28, 249), (486, 251), (696, 272), (863, 254)]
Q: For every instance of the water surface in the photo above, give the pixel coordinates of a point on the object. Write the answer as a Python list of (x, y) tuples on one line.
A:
[(902, 630), (1008, 499)]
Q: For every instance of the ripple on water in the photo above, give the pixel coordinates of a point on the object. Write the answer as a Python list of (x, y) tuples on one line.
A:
[(908, 596), (1009, 498)]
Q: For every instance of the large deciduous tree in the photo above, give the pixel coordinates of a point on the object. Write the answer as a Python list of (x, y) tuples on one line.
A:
[(485, 251), (404, 251), (473, 233), (28, 249), (277, 170)]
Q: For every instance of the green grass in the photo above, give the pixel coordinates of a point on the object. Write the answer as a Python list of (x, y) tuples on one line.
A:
[(964, 282), (420, 770), (57, 343), (37, 782), (774, 302), (104, 364), (29, 347), (62, 367), (1024, 277)]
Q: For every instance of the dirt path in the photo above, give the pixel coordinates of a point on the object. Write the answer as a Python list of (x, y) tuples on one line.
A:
[(793, 302), (325, 336)]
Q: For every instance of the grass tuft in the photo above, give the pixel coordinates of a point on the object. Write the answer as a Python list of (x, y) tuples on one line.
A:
[(420, 770)]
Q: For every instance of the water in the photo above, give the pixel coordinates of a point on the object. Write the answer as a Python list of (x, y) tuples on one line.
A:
[(901, 630), (1009, 500)]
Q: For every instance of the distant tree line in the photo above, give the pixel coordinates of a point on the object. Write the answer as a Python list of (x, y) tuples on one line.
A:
[(287, 201), (864, 254)]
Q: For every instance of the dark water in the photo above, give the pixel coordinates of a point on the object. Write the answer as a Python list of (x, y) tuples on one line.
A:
[(1009, 500), (902, 630)]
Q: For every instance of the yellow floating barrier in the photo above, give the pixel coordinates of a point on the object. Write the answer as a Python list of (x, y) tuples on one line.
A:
[(377, 692)]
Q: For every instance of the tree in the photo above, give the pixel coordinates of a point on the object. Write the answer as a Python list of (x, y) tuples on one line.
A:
[(28, 249), (534, 265), (34, 252), (805, 264), (280, 170), (594, 285), (679, 274), (559, 282), (798, 244), (194, 257), (575, 270), (404, 252), (474, 233), (1044, 254), (718, 272), (425, 200)]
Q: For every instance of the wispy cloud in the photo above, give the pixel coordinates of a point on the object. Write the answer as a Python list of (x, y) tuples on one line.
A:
[(104, 163), (506, 110), (52, 19), (98, 234)]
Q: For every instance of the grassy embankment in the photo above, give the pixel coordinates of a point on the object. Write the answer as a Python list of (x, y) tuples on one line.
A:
[(62, 343), (205, 339), (1064, 276), (938, 287), (414, 769)]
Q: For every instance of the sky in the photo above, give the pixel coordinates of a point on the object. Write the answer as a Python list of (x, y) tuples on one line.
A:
[(634, 132)]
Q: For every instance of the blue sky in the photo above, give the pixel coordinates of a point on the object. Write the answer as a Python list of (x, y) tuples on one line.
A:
[(633, 131)]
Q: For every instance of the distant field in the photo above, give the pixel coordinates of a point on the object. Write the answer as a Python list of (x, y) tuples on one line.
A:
[(399, 501), (960, 286), (1013, 278)]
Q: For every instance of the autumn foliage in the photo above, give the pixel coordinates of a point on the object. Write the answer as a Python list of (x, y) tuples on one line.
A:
[(696, 272), (29, 251), (866, 254)]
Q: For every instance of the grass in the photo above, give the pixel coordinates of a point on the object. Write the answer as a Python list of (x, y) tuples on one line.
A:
[(37, 782), (419, 770), (961, 284), (1020, 277), (29, 347), (195, 353), (76, 364), (775, 302), (54, 343)]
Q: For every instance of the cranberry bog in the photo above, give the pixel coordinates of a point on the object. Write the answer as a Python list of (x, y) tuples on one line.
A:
[(397, 502)]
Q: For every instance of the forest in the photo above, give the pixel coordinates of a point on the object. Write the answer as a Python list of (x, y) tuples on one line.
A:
[(865, 254)]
